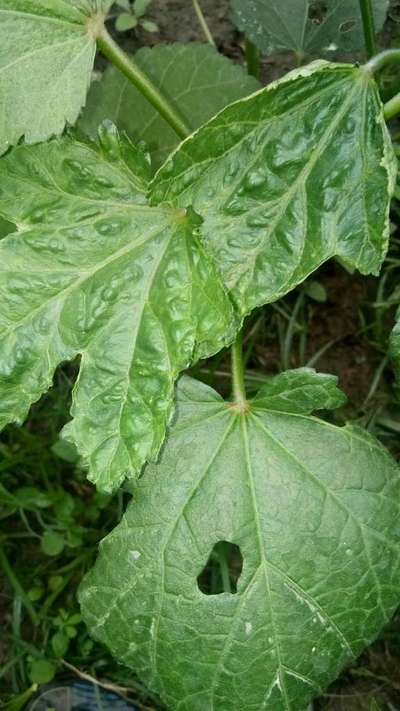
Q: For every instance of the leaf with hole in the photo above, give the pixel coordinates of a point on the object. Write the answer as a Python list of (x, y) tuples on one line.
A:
[(280, 186), (47, 50), (195, 76), (314, 510), (95, 272), (305, 26)]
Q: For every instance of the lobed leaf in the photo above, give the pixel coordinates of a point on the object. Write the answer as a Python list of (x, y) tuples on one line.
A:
[(287, 178), (305, 26), (314, 509), (94, 271), (195, 76), (300, 391), (47, 50)]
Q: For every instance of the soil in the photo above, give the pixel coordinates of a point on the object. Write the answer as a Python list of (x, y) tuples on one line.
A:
[(351, 356)]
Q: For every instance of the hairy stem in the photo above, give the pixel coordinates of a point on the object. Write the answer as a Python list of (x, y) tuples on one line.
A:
[(203, 23), (238, 388), (252, 59), (382, 60), (141, 81), (369, 27), (17, 587), (392, 107)]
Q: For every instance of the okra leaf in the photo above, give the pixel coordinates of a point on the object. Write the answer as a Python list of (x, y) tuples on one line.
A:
[(47, 50), (314, 510), (95, 272), (300, 391), (305, 26), (287, 178), (194, 76)]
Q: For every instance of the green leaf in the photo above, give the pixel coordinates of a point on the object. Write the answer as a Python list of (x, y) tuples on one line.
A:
[(140, 7), (47, 50), (42, 671), (280, 186), (52, 543), (32, 498), (94, 271), (316, 291), (36, 593), (195, 76), (314, 509), (19, 701), (125, 21), (60, 644), (300, 391), (305, 26), (55, 582), (149, 25), (65, 451)]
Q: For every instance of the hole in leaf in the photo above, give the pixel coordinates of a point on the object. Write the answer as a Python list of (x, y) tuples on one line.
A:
[(347, 26), (222, 570), (317, 12), (6, 227)]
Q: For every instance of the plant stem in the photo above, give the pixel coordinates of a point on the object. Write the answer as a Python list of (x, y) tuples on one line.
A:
[(381, 60), (252, 59), (224, 570), (392, 107), (18, 589), (238, 388), (369, 27), (203, 23), (141, 81)]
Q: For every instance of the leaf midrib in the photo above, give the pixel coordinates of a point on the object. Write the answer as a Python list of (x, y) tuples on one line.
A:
[(263, 560), (209, 162), (137, 322)]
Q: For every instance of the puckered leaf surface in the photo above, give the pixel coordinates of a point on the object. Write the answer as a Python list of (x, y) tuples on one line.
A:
[(314, 509), (194, 76), (308, 26), (47, 49), (287, 178), (94, 271), (300, 391)]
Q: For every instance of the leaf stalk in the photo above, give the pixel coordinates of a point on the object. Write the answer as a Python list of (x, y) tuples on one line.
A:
[(143, 83), (382, 60), (203, 23), (392, 107), (369, 27), (238, 386)]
